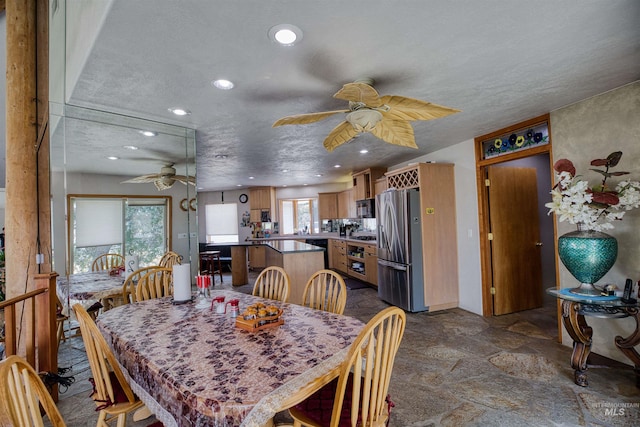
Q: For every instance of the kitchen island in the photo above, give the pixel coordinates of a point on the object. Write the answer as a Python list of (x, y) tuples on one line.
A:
[(299, 260)]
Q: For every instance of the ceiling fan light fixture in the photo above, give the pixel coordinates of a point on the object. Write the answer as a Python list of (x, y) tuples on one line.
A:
[(285, 34), (364, 120)]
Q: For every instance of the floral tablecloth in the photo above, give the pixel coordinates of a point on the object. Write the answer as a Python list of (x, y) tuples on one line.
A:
[(203, 371), (87, 288)]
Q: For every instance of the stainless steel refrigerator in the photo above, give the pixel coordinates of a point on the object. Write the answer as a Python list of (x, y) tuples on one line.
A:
[(399, 240)]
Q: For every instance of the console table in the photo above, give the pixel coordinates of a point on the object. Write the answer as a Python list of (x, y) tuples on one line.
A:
[(574, 309)]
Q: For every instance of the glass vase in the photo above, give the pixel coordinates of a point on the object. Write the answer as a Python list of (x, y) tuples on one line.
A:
[(588, 255)]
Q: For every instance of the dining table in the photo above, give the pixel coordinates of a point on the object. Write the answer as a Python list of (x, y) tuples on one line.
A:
[(193, 366), (88, 288)]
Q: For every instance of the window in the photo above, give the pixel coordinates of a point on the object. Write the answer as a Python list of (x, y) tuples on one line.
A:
[(222, 223), (117, 225), (299, 216)]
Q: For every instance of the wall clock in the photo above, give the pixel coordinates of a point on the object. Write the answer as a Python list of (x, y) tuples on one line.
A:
[(243, 198)]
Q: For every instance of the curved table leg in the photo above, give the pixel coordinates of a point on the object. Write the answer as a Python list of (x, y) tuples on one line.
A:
[(626, 345), (581, 334)]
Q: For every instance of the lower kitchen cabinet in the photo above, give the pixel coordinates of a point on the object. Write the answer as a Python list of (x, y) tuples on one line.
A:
[(338, 255), (257, 256)]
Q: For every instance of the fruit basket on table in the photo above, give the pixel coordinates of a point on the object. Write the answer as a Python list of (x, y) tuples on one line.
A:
[(259, 316)]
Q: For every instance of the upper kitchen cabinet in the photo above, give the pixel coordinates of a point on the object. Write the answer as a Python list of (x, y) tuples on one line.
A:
[(380, 185), (262, 202), (328, 205), (347, 204), (364, 183)]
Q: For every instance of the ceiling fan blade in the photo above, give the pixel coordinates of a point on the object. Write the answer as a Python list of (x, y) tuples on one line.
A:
[(185, 179), (397, 132), (342, 133), (303, 119), (403, 108), (143, 178), (359, 92)]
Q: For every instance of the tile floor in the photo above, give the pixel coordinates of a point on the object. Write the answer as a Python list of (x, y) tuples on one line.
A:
[(455, 368)]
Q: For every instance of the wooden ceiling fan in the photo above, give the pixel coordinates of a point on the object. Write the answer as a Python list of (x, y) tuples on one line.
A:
[(163, 180), (386, 117)]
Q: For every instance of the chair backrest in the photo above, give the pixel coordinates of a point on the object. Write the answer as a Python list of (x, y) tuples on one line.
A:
[(129, 285), (104, 366), (107, 262), (23, 393), (170, 259), (156, 283), (368, 370), (325, 290), (272, 283)]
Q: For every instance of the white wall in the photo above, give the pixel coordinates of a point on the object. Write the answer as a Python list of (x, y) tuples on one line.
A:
[(462, 155), (591, 129)]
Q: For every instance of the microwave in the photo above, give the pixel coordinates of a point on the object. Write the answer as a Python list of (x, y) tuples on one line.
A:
[(366, 208)]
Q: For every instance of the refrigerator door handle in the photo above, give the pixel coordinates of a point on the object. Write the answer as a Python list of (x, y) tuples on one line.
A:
[(393, 265)]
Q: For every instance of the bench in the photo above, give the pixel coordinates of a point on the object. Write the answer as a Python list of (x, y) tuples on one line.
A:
[(225, 253)]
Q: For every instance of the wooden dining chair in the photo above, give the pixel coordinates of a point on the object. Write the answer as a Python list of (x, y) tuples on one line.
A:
[(111, 391), (23, 395), (156, 283), (170, 259), (359, 395), (325, 290), (107, 262), (129, 285), (272, 283)]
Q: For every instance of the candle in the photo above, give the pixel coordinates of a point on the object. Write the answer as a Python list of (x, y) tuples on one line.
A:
[(130, 264), (181, 282)]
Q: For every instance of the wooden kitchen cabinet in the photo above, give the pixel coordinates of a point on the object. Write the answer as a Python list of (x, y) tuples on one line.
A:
[(364, 183), (380, 185), (338, 255), (257, 256), (328, 205), (262, 204), (347, 204), (371, 264)]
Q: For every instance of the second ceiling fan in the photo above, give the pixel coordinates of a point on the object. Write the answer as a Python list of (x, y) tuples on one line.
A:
[(386, 117)]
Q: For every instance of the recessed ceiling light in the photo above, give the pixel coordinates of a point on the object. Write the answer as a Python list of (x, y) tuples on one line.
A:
[(148, 133), (251, 177), (304, 185), (318, 175), (336, 166), (285, 34), (130, 147), (180, 111), (285, 170), (238, 185), (364, 151), (223, 84), (113, 158), (221, 156), (284, 185)]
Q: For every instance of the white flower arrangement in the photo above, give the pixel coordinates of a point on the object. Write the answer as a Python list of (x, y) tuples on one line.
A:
[(594, 208)]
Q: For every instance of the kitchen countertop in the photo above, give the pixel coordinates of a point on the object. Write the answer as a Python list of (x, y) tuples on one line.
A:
[(334, 236), (291, 246)]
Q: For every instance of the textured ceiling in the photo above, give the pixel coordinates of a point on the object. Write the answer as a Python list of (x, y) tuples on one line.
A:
[(500, 62)]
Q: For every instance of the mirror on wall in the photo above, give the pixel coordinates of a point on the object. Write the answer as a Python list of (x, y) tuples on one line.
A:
[(97, 155)]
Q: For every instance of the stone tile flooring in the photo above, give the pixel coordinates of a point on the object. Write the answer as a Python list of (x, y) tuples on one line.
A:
[(455, 368)]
